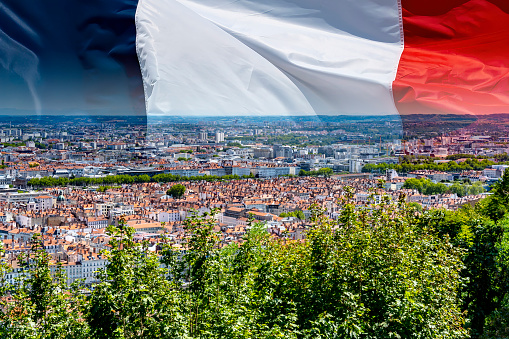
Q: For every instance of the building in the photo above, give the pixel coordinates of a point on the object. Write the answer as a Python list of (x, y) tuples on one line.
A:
[(280, 151), (442, 176), (167, 216), (263, 152), (145, 226), (219, 137), (354, 166), (491, 172), (240, 171), (273, 172), (40, 203), (120, 210), (104, 208), (97, 222), (5, 181)]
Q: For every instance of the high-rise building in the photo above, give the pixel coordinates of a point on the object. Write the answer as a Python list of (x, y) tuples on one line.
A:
[(219, 137), (203, 135), (278, 151), (14, 132), (355, 166)]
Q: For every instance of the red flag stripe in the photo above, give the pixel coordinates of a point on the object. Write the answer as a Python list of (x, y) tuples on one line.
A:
[(456, 57)]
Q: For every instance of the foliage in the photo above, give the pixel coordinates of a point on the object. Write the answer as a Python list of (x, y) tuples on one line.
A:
[(236, 144), (177, 191), (133, 299), (427, 187), (40, 145), (41, 305), (462, 190), (296, 214), (375, 274), (410, 164), (349, 280), (386, 270), (496, 206), (127, 179), (502, 157), (486, 268), (460, 156), (321, 172), (17, 144), (497, 323)]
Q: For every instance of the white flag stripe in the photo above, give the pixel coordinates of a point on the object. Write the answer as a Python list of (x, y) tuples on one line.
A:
[(269, 57), (190, 66)]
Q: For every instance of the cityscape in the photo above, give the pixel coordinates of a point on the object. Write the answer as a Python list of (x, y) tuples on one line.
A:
[(69, 179), (254, 169)]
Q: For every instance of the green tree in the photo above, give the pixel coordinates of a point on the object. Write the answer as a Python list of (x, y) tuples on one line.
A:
[(488, 276), (388, 270), (177, 191), (485, 269), (459, 189), (476, 188), (142, 178), (326, 172), (497, 323), (352, 298), (413, 183), (299, 214), (220, 298), (425, 186), (133, 299), (431, 188), (496, 206), (41, 303)]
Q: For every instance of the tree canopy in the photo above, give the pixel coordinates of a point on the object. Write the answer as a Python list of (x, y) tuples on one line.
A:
[(177, 191), (410, 163), (386, 270), (325, 172), (374, 273), (427, 187), (127, 179), (299, 214)]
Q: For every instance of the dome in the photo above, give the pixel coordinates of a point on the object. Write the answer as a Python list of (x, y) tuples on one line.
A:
[(60, 198)]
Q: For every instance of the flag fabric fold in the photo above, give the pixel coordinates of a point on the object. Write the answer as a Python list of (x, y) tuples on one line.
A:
[(69, 57), (456, 58), (254, 57)]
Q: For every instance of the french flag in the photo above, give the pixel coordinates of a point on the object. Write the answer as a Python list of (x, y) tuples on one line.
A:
[(256, 57)]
